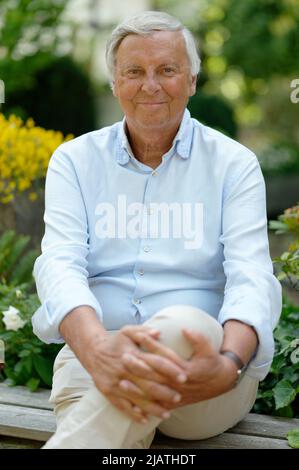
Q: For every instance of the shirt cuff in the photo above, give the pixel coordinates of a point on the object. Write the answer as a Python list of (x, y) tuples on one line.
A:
[(47, 318), (260, 364)]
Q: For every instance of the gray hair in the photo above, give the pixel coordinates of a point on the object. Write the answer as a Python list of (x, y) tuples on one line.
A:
[(145, 24)]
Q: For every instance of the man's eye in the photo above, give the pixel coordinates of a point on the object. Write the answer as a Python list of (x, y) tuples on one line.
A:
[(169, 70), (133, 72)]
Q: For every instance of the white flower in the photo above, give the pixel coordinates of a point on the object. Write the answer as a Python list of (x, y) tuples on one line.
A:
[(12, 319), (18, 293)]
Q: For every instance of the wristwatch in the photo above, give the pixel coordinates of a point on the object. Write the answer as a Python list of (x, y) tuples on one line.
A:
[(241, 366)]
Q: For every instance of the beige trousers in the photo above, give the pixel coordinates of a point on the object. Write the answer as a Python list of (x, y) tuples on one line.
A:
[(87, 420)]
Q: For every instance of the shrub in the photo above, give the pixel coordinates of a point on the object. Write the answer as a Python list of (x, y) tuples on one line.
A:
[(28, 361), (25, 151), (61, 98), (288, 262), (279, 392)]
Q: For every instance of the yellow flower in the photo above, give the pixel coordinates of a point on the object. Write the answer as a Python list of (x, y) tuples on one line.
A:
[(32, 196), (25, 151)]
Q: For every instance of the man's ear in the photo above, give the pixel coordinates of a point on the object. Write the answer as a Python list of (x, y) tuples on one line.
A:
[(113, 88), (193, 85)]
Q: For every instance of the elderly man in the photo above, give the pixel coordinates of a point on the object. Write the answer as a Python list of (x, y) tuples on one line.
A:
[(155, 267)]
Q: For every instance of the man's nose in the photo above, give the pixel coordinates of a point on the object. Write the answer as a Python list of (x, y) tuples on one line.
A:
[(151, 84)]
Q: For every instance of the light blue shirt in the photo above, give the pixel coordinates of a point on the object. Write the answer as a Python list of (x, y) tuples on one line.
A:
[(128, 240)]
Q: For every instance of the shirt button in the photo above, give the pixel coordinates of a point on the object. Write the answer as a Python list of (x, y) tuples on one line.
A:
[(146, 249), (137, 301), (154, 173), (141, 272)]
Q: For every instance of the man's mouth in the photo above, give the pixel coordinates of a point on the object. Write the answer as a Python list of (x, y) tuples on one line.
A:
[(152, 104)]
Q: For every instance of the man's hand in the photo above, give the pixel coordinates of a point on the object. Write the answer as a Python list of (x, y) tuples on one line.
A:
[(110, 374), (209, 373)]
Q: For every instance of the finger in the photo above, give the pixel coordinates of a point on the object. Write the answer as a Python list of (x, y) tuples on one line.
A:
[(161, 365), (132, 411), (138, 368), (147, 406), (155, 391), (156, 347), (132, 330), (200, 343), (136, 365), (151, 408), (131, 388)]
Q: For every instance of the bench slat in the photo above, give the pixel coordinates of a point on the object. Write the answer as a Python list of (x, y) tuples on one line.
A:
[(28, 415), (21, 396), (28, 423), (224, 441), (14, 443), (38, 425), (265, 426)]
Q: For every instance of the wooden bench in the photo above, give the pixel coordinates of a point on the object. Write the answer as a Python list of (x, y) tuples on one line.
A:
[(27, 421)]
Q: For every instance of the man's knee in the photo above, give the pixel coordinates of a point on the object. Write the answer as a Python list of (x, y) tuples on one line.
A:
[(171, 320)]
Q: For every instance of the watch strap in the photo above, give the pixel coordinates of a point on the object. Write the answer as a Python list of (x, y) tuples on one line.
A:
[(234, 357), (239, 363)]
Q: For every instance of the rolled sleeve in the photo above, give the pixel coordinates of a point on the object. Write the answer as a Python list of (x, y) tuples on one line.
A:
[(60, 272), (252, 292)]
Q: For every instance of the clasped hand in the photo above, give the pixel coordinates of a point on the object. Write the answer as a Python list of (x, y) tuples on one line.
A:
[(143, 378)]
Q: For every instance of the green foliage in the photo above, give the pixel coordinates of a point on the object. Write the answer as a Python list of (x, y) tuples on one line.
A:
[(40, 84), (293, 438), (28, 361), (280, 158), (60, 98), (32, 23), (271, 32), (15, 265), (288, 262), (214, 112), (278, 393)]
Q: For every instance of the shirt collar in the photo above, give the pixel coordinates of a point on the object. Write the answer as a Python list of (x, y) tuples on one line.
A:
[(181, 143)]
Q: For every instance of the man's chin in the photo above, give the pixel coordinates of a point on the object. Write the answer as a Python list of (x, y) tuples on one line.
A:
[(154, 121)]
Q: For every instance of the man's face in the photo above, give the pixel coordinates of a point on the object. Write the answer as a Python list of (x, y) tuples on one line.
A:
[(153, 81)]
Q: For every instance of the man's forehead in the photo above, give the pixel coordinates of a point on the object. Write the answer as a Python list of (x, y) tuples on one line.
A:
[(158, 43)]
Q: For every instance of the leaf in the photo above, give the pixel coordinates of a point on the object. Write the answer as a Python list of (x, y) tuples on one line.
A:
[(295, 356), (286, 255), (281, 276), (285, 412), (278, 362), (33, 384), (293, 438), (44, 368), (277, 225), (284, 393), (24, 353), (27, 363)]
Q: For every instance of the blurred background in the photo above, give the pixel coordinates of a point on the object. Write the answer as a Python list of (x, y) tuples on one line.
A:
[(53, 71)]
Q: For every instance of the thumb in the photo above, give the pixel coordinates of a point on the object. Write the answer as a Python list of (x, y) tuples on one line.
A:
[(200, 343)]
